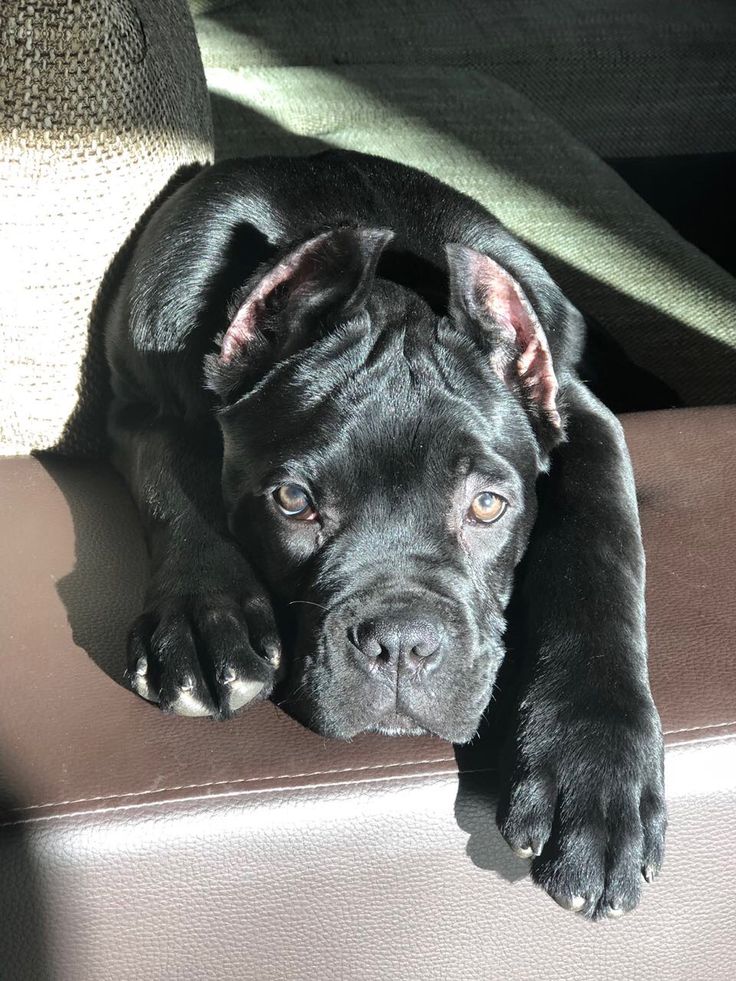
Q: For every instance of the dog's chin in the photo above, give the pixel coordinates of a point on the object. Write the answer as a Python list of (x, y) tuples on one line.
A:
[(403, 725), (398, 725), (395, 723)]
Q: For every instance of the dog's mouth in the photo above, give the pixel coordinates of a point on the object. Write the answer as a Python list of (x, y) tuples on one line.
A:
[(399, 724), (339, 705), (344, 726), (413, 664)]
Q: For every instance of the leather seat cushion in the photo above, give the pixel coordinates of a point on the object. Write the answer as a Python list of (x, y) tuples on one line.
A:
[(134, 845)]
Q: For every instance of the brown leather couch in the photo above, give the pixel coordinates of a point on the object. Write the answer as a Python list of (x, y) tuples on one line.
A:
[(136, 846)]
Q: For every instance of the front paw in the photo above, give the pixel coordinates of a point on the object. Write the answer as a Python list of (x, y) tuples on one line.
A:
[(203, 655), (585, 801)]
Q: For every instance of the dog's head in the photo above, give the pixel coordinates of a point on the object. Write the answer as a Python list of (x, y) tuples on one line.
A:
[(380, 462)]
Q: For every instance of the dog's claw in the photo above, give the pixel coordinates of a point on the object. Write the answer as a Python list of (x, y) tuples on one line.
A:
[(527, 852), (187, 683), (649, 873), (190, 706), (574, 903), (272, 653), (142, 666), (242, 692)]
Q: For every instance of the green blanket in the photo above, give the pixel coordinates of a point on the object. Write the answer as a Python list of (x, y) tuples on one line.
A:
[(428, 97)]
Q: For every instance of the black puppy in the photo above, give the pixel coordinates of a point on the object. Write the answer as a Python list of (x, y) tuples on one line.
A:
[(337, 383)]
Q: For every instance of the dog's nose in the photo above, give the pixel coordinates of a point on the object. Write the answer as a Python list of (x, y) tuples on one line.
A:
[(412, 640)]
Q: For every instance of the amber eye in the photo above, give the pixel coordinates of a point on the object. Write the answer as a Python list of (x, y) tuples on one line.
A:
[(487, 508), (294, 501)]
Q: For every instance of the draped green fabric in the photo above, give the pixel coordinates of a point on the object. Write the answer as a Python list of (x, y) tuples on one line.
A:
[(513, 103)]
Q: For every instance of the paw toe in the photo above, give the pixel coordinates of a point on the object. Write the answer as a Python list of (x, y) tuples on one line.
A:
[(525, 817)]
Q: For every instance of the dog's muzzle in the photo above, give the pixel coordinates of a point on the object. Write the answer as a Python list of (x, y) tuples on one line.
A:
[(403, 663)]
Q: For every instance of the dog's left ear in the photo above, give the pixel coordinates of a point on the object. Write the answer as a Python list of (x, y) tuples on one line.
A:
[(486, 296)]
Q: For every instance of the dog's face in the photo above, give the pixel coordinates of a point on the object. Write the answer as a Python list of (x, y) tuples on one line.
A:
[(380, 472)]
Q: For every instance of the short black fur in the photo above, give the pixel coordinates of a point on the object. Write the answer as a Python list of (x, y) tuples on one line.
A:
[(306, 322)]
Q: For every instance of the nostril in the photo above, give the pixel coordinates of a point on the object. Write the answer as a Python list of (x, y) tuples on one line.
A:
[(426, 642), (364, 638), (423, 651)]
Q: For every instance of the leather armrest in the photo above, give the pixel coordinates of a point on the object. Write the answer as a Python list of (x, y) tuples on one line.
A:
[(134, 845)]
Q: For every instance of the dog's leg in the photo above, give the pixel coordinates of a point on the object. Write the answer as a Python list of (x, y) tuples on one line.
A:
[(583, 794), (206, 643)]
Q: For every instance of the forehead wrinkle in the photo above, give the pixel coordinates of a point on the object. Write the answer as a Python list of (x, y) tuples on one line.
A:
[(392, 450), (386, 438), (378, 400)]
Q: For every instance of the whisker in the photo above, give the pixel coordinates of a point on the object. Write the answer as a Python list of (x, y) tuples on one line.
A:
[(310, 603), (291, 695)]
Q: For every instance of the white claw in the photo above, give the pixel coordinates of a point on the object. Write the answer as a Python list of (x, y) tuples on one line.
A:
[(273, 654), (615, 912), (187, 683), (523, 852), (186, 704), (243, 692), (574, 903), (140, 685)]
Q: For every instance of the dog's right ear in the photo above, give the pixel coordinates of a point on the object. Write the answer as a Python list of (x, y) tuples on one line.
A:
[(322, 282)]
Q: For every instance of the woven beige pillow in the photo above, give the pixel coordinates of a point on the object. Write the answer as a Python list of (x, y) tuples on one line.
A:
[(103, 102)]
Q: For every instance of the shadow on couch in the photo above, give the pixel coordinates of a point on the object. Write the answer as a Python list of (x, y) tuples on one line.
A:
[(24, 943)]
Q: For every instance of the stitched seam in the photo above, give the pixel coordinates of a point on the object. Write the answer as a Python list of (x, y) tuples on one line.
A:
[(713, 725), (265, 790), (708, 739), (238, 780), (297, 776), (234, 793)]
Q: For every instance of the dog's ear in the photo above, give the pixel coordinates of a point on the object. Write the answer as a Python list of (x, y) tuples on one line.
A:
[(486, 297), (321, 282)]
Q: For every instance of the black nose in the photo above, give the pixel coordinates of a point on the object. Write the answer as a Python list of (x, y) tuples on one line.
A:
[(391, 639)]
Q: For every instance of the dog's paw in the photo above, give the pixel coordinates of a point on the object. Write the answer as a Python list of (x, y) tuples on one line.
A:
[(585, 802), (203, 655)]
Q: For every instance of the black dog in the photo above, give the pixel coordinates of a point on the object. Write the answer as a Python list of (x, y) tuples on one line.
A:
[(337, 383)]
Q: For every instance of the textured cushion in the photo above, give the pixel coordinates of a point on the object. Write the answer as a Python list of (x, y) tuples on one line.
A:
[(103, 102), (426, 84)]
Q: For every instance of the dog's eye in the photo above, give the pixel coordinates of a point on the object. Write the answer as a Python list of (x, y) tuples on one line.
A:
[(486, 508), (294, 502)]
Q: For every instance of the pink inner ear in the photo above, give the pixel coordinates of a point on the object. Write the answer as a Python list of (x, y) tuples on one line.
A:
[(244, 324), (512, 312)]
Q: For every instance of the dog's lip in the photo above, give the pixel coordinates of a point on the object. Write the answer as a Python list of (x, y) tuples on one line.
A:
[(394, 722), (403, 721), (392, 731), (402, 725), (397, 723)]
